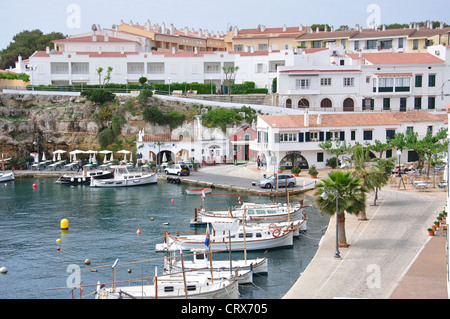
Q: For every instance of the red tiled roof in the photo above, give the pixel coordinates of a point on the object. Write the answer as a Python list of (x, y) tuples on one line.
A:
[(351, 119), (397, 58), (327, 35), (320, 71), (107, 54), (382, 34), (269, 32), (44, 54)]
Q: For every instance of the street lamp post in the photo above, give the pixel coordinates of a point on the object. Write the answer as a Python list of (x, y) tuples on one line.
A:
[(337, 254)]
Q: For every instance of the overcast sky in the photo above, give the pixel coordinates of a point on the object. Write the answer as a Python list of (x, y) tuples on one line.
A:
[(77, 16)]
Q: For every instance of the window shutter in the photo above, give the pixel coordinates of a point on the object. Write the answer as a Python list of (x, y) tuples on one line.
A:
[(328, 136), (277, 138), (321, 136), (301, 137), (307, 139), (342, 135)]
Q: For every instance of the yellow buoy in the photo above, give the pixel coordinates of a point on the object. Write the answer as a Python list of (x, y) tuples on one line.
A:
[(58, 240), (64, 224)]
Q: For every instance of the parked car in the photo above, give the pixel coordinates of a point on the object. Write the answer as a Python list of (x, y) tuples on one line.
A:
[(283, 180), (177, 169)]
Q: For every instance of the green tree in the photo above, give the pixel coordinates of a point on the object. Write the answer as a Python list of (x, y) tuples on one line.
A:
[(25, 44), (351, 198), (105, 137), (154, 115), (230, 75), (117, 121), (340, 148)]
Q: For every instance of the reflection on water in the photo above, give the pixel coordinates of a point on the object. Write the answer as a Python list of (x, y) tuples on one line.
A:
[(102, 228)]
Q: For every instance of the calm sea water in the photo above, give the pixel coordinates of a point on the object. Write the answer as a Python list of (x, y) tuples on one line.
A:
[(102, 228)]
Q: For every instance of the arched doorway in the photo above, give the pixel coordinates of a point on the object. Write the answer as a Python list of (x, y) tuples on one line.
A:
[(292, 159), (325, 103), (289, 103), (303, 104), (349, 105)]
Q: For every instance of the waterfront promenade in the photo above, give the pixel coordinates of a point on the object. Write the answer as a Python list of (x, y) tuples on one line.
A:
[(391, 255)]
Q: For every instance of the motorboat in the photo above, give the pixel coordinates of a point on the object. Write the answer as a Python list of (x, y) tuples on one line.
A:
[(200, 260), (236, 237), (123, 178), (85, 177), (254, 213), (199, 191), (175, 286)]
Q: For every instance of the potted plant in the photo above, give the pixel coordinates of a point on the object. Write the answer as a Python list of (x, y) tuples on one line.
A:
[(436, 224), (313, 171), (430, 232), (282, 169), (296, 170)]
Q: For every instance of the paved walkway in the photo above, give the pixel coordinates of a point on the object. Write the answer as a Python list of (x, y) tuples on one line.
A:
[(390, 256)]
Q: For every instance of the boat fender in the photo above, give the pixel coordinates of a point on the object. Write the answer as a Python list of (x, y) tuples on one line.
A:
[(72, 179), (79, 180)]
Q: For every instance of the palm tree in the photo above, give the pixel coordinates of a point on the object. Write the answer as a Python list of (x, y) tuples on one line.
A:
[(351, 195)]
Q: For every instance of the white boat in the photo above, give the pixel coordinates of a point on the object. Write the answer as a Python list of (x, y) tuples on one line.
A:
[(254, 213), (250, 237), (198, 191), (123, 178), (84, 178), (200, 260), (6, 177), (175, 286)]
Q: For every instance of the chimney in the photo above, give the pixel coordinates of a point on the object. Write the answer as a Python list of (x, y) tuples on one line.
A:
[(200, 32), (284, 28), (300, 28), (163, 27), (171, 28), (306, 117), (148, 25), (263, 28), (326, 28), (384, 27), (317, 30), (47, 50), (186, 30)]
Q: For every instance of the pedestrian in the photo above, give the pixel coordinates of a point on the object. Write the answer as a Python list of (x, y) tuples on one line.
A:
[(80, 165), (258, 161)]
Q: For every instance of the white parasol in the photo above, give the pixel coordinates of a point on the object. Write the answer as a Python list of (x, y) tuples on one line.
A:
[(164, 158), (59, 152), (74, 154), (105, 152), (124, 152), (43, 157)]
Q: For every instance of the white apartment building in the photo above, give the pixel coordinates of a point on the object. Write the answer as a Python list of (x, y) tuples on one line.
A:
[(333, 80), (293, 140)]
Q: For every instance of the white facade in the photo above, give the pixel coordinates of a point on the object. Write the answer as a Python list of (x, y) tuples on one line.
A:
[(293, 140), (332, 80)]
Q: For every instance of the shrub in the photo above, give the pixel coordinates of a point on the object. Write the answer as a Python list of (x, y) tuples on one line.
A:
[(154, 115), (117, 122), (175, 119), (106, 137), (144, 95), (313, 171), (296, 170)]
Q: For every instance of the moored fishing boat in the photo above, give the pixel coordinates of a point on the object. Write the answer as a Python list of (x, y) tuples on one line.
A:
[(6, 177), (253, 213), (200, 260), (250, 237), (199, 191), (84, 178), (175, 286), (123, 178)]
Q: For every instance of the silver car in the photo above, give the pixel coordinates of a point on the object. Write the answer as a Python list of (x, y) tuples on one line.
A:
[(283, 180)]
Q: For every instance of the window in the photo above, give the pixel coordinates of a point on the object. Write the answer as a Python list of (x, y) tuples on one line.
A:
[(386, 85), (388, 153), (353, 135), (326, 103), (368, 104), (390, 134), (432, 80), (135, 68), (317, 44), (302, 84), (430, 129), (325, 81), (409, 129), (238, 47), (319, 157), (262, 47), (418, 83), (349, 105), (386, 104), (349, 82), (415, 44), (400, 43), (356, 45), (59, 68), (367, 135), (80, 68), (402, 84), (288, 137), (431, 102), (386, 44), (303, 103), (417, 103), (371, 44)]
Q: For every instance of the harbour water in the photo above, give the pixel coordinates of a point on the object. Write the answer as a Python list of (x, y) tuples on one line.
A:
[(103, 226)]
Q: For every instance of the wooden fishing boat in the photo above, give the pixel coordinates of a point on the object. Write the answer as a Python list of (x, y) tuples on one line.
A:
[(123, 178), (198, 191), (200, 260), (175, 286), (84, 178), (253, 213), (250, 237), (8, 176)]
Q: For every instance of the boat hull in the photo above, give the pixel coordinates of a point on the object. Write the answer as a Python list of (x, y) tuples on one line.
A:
[(82, 179), (219, 289), (6, 177), (198, 191)]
